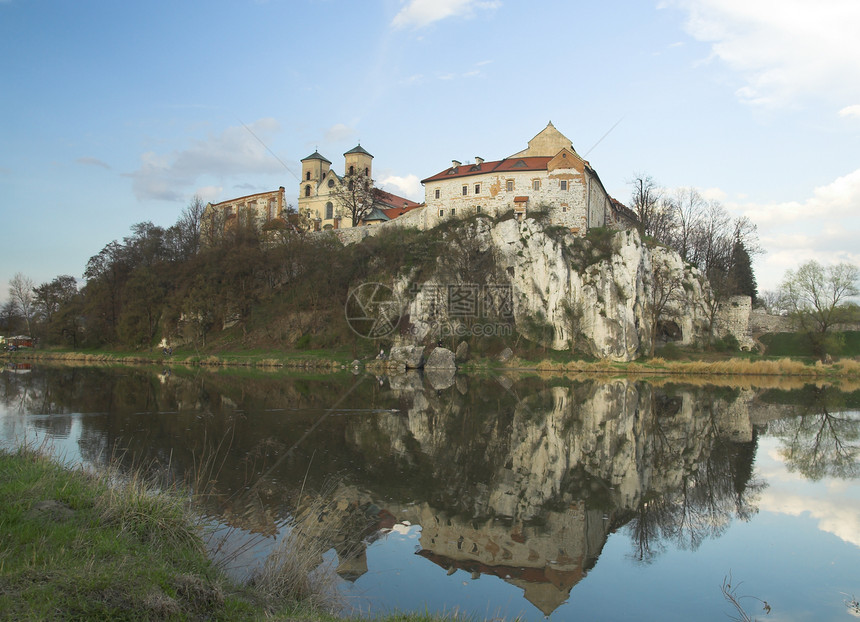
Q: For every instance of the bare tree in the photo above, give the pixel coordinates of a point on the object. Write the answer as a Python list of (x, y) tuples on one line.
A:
[(645, 201), (188, 228), (688, 207), (666, 287), (356, 196), (9, 315), (816, 297), (21, 292)]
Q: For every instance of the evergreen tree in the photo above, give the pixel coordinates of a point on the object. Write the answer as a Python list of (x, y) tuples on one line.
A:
[(741, 274)]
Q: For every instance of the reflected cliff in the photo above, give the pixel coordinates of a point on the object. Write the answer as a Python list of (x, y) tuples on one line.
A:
[(521, 479)]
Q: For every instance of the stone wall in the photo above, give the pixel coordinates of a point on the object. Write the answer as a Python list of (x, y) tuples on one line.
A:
[(762, 322), (494, 199), (734, 319)]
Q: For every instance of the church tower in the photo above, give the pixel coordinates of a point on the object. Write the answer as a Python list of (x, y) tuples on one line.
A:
[(314, 168), (358, 161)]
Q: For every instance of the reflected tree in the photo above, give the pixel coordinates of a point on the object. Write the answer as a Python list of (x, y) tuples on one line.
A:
[(824, 441)]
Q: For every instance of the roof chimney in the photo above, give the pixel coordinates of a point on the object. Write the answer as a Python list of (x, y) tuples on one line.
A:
[(455, 163), (479, 161)]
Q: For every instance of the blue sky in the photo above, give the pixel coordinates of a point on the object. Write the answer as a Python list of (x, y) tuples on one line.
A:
[(115, 113)]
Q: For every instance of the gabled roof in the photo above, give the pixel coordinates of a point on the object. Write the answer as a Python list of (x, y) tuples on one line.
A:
[(392, 201), (394, 212), (358, 149), (316, 156), (538, 163)]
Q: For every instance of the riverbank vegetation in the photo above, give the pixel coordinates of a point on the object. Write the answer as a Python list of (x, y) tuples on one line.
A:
[(84, 545)]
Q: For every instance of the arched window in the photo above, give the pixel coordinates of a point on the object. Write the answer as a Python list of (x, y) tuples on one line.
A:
[(352, 170), (308, 190), (308, 176), (367, 172), (351, 186), (329, 211)]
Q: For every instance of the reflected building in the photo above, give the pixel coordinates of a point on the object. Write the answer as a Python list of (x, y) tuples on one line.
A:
[(520, 480)]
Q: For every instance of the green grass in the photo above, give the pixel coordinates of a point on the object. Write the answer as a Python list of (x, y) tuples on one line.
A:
[(113, 547), (798, 344), (101, 551)]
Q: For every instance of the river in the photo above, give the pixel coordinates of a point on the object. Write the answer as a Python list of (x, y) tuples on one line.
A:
[(495, 496)]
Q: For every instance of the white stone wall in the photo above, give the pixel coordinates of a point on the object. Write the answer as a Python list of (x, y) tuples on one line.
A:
[(494, 198)]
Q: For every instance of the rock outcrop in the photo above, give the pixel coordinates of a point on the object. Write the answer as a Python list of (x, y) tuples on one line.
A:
[(560, 290)]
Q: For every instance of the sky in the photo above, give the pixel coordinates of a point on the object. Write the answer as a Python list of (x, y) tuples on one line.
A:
[(115, 113)]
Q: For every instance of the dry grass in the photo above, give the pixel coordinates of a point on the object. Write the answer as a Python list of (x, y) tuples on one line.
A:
[(302, 566)]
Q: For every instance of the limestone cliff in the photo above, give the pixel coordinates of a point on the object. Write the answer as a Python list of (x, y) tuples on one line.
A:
[(595, 294)]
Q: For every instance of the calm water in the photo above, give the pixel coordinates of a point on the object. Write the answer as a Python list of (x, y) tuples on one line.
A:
[(500, 497)]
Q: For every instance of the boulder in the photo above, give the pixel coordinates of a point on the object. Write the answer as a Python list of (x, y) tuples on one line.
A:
[(410, 356), (440, 358), (440, 377), (462, 353)]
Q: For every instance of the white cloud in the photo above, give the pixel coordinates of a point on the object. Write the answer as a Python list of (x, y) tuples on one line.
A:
[(209, 194), (236, 152), (784, 50), (339, 132), (408, 186), (420, 13), (841, 518), (850, 111), (87, 161), (824, 227)]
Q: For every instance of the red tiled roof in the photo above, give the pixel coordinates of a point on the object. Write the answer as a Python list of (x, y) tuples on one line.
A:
[(394, 212), (521, 199), (533, 163), (392, 201)]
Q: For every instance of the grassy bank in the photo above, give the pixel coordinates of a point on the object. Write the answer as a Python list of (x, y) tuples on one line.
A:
[(788, 355), (305, 359), (75, 545)]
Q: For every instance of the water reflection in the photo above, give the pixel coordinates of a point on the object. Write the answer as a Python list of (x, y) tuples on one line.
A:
[(522, 479)]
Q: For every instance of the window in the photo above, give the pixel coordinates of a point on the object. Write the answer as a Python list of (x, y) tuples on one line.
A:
[(478, 209), (465, 190), (536, 184), (329, 211), (441, 213), (509, 185), (453, 211), (564, 208), (367, 172), (331, 183), (352, 170), (437, 193), (477, 188), (308, 176), (308, 190), (562, 185)]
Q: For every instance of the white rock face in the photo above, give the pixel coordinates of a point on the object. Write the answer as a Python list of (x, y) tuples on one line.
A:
[(599, 300)]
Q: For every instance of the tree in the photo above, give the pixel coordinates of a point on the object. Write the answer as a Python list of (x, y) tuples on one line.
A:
[(651, 208), (9, 316), (816, 297), (688, 208), (21, 292), (666, 287), (741, 273), (187, 230), (49, 297), (356, 196)]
